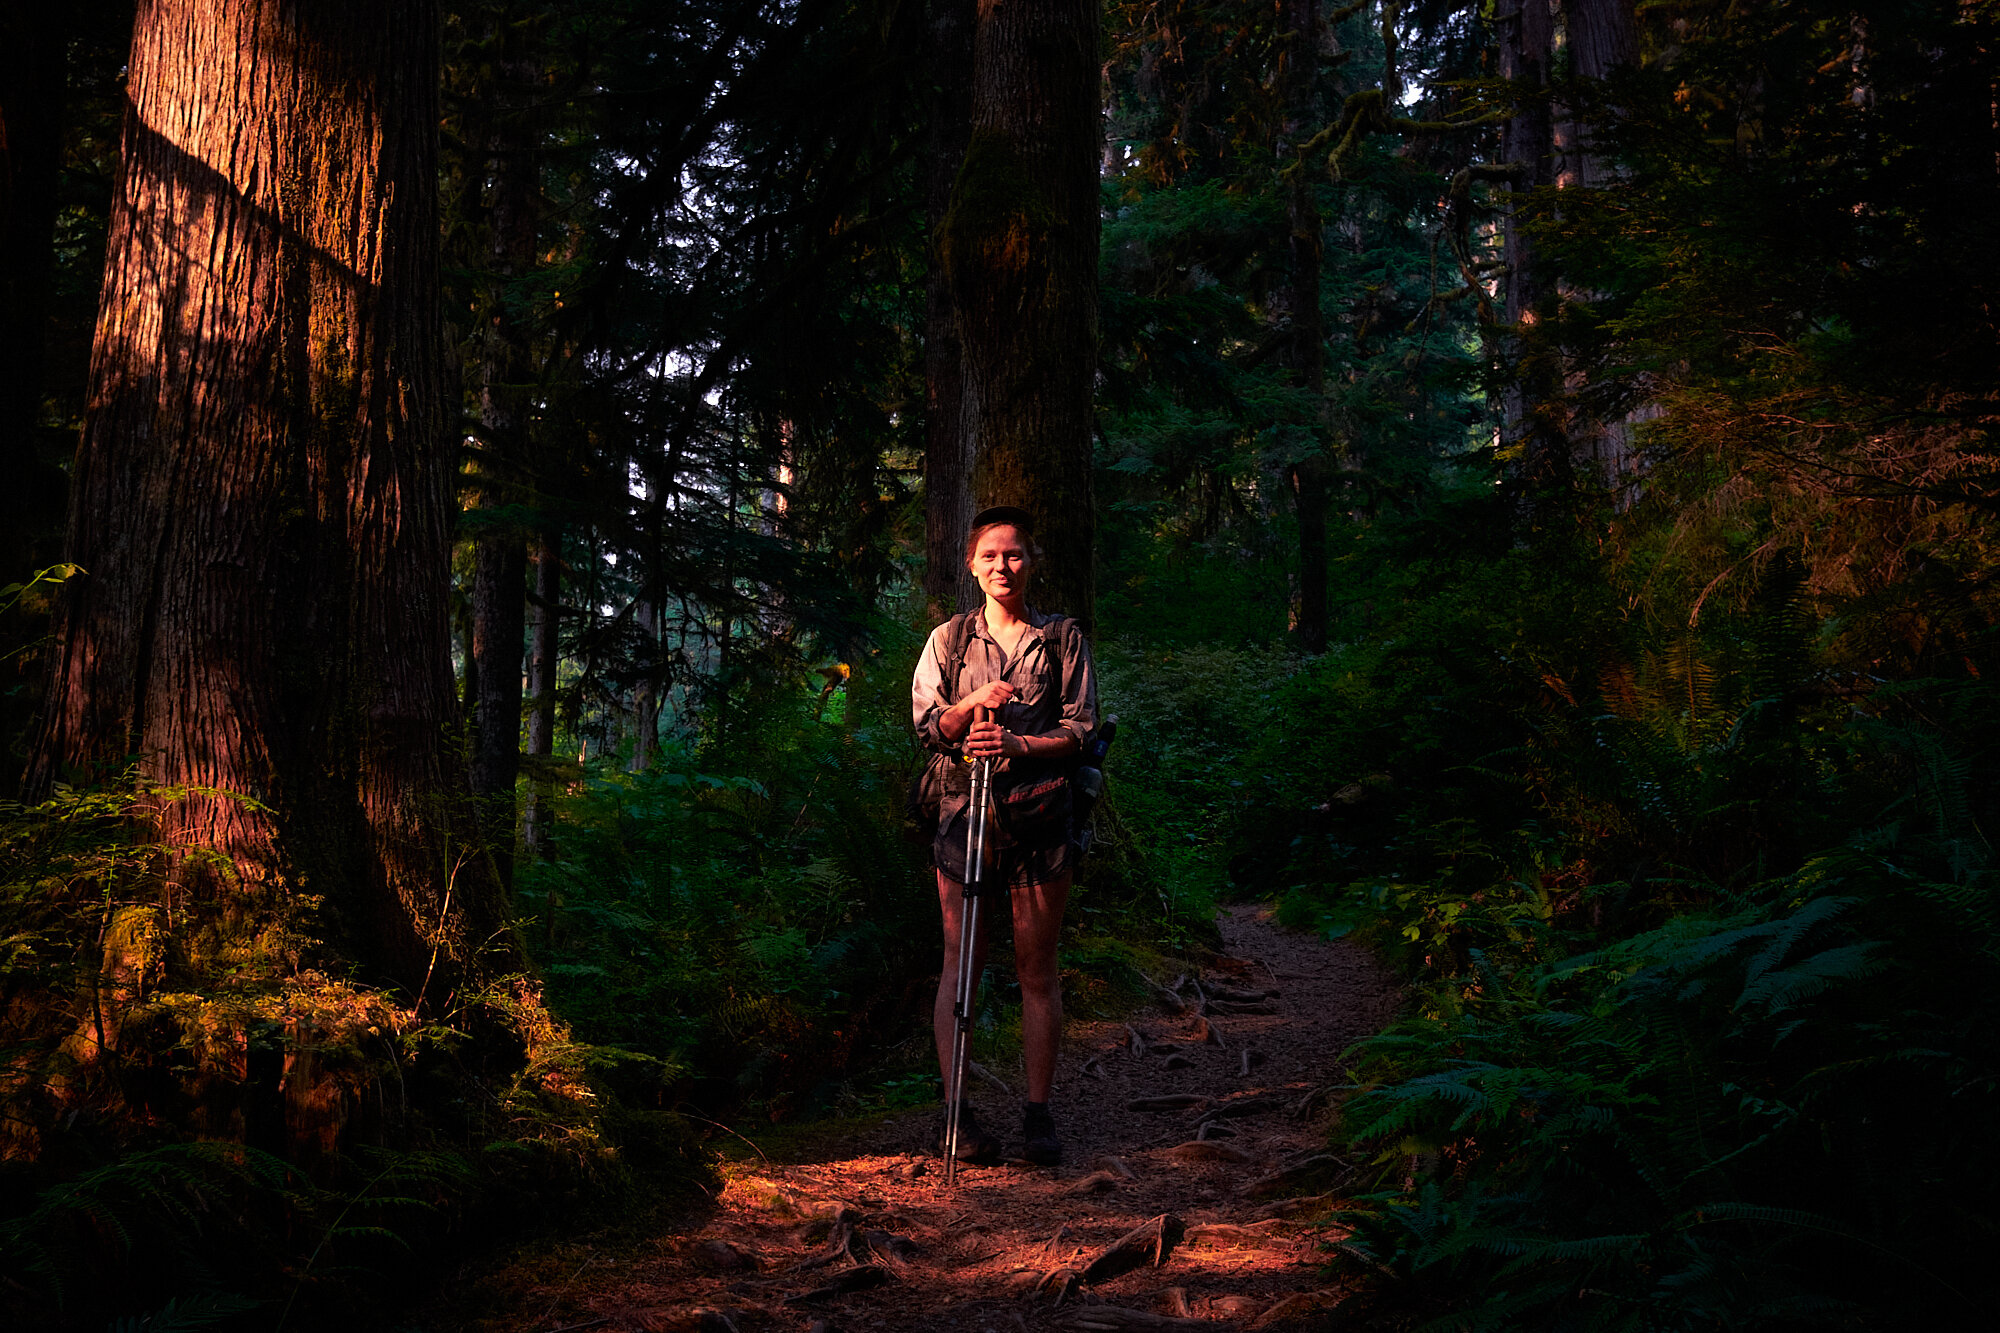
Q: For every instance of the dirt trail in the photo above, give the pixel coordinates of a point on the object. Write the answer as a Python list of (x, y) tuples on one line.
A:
[(875, 1241)]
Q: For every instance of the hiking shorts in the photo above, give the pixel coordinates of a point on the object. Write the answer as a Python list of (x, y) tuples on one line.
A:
[(1020, 866)]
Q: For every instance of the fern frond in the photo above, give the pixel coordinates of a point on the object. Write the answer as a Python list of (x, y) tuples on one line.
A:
[(1775, 992)]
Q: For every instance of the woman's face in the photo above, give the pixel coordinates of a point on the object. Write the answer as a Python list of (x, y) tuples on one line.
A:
[(1000, 563)]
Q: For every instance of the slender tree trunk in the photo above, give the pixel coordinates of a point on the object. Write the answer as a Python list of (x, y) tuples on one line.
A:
[(538, 824), (1305, 349), (1019, 245), (263, 492), (1601, 38), (1531, 429), (499, 622), (32, 86), (500, 550), (646, 694), (947, 448)]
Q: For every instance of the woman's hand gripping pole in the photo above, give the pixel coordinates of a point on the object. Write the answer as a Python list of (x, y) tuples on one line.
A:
[(968, 952)]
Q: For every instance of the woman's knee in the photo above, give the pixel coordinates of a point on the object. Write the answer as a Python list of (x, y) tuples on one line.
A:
[(1037, 970)]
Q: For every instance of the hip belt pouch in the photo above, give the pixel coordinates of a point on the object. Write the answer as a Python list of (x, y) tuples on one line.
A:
[(1034, 800)]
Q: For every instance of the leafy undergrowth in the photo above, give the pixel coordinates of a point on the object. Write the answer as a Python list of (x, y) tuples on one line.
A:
[(1702, 926), (737, 936)]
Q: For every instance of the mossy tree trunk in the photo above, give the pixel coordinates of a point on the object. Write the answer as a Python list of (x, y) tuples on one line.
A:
[(262, 496), (1019, 245), (947, 458)]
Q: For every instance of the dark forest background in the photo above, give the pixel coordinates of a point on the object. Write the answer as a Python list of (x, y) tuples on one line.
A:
[(1529, 472)]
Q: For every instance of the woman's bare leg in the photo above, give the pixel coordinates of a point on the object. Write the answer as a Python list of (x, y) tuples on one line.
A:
[(1038, 914)]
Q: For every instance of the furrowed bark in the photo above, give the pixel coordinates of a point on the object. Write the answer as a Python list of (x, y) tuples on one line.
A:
[(263, 492), (947, 456), (1019, 246)]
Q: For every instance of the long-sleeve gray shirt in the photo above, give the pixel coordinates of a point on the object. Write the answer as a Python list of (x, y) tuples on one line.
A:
[(1055, 686)]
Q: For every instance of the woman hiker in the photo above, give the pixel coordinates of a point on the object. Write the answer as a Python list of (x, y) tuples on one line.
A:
[(1032, 674)]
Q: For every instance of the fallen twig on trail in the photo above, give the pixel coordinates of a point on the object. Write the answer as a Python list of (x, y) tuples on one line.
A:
[(1292, 1307), (1207, 1150), (1063, 1281), (1304, 1206), (1237, 1108), (896, 1250), (1236, 1233), (1321, 1166), (1148, 1243), (1174, 1101), (854, 1279), (722, 1256), (1119, 1319)]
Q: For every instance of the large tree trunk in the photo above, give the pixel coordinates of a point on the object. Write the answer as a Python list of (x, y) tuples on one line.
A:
[(1305, 349), (263, 494), (947, 453), (1020, 247)]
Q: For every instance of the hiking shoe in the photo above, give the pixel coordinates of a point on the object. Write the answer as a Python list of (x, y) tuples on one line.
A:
[(974, 1143), (1038, 1132)]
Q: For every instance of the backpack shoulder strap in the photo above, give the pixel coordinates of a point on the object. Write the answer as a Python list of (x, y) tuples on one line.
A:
[(1053, 633), (958, 633)]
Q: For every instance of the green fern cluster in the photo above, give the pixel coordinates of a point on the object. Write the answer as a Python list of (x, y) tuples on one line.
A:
[(1759, 1117), (1702, 923)]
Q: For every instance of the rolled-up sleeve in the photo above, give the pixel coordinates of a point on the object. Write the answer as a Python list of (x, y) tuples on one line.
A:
[(1079, 686), (926, 705)]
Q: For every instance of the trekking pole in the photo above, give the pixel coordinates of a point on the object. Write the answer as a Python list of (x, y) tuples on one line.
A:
[(968, 947)]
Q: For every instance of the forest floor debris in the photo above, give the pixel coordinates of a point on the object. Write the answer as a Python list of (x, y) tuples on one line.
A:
[(1146, 1225)]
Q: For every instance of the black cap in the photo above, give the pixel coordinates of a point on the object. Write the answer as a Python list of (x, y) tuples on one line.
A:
[(1008, 514)]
